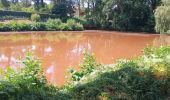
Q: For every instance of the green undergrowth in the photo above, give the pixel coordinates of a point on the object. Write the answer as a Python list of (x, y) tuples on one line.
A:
[(49, 25), (27, 83), (144, 78)]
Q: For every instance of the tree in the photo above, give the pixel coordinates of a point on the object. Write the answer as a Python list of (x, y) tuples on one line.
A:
[(26, 3), (64, 9), (5, 4), (162, 16), (124, 15), (38, 4)]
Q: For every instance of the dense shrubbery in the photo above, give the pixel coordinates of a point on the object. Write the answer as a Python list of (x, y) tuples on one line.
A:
[(162, 16), (126, 15), (27, 83), (20, 14), (144, 78), (50, 25), (147, 77)]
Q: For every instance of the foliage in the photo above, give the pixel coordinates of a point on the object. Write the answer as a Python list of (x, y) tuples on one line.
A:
[(21, 14), (16, 7), (147, 77), (64, 8), (162, 17), (126, 15), (53, 25), (27, 83), (86, 67), (38, 26), (74, 25), (50, 25), (35, 17)]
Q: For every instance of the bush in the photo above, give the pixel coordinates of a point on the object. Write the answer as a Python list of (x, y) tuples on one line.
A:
[(38, 26), (50, 25), (74, 25), (147, 77), (4, 27), (53, 24), (27, 83), (162, 16), (25, 26), (21, 14), (66, 27), (35, 17)]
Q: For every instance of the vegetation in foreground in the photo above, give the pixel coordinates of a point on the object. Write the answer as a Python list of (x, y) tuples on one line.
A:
[(144, 78), (34, 25)]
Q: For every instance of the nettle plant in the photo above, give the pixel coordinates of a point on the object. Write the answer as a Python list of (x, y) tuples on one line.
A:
[(87, 66)]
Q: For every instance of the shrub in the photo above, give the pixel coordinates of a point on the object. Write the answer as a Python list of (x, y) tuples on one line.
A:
[(147, 77), (86, 67), (74, 25), (24, 26), (35, 17), (50, 25), (65, 27), (22, 14), (38, 26), (28, 83), (13, 25), (53, 24), (4, 27)]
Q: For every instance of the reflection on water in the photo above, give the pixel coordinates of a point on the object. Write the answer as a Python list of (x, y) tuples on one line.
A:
[(57, 50)]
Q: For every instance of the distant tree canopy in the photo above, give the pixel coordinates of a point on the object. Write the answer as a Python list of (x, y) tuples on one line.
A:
[(63, 8), (124, 15), (162, 16)]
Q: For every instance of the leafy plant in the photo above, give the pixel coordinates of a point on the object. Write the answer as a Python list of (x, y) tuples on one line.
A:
[(146, 77), (86, 67), (74, 25), (53, 24), (27, 83), (35, 17)]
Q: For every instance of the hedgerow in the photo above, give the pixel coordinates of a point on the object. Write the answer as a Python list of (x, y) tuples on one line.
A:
[(49, 25)]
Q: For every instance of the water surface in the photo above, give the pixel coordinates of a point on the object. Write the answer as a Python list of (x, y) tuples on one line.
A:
[(58, 50)]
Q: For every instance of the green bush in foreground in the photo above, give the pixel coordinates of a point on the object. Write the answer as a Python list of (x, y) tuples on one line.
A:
[(27, 83), (144, 78)]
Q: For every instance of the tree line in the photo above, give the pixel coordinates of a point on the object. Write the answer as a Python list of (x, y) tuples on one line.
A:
[(121, 15)]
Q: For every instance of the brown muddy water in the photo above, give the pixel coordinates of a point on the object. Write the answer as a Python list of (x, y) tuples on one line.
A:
[(59, 50)]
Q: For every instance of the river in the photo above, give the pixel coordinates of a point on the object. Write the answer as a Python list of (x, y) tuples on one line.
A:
[(60, 50)]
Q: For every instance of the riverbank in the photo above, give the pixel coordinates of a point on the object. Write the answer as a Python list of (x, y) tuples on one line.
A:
[(84, 31), (49, 25)]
